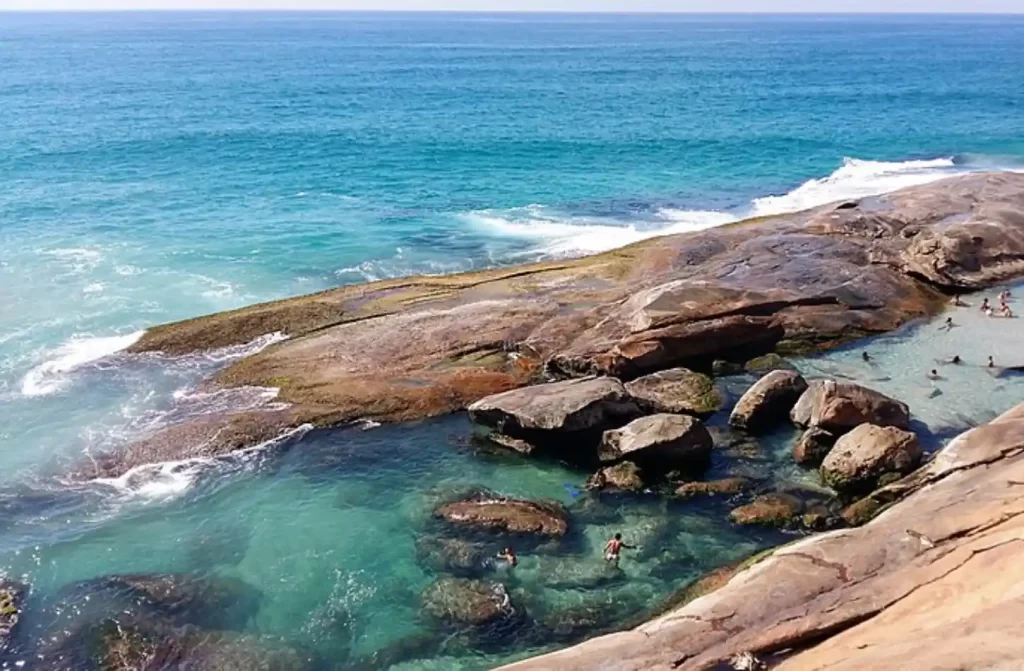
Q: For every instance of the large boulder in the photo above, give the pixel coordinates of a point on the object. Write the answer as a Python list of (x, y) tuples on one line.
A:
[(840, 406), (813, 446), (775, 510), (767, 402), (561, 415), (467, 602), (500, 514), (868, 453), (659, 442), (678, 390)]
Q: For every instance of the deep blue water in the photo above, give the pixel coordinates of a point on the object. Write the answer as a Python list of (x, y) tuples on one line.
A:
[(159, 166)]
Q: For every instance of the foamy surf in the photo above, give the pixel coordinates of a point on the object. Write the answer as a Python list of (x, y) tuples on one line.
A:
[(168, 479), (559, 235), (52, 375)]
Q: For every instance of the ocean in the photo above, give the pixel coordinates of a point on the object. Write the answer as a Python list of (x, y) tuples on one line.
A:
[(159, 166)]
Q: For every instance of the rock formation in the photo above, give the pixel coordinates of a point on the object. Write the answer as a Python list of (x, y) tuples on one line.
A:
[(934, 582), (868, 453), (768, 402), (838, 407), (417, 347), (500, 514), (677, 390), (659, 442)]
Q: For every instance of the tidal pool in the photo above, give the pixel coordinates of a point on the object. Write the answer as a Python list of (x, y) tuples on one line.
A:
[(331, 533)]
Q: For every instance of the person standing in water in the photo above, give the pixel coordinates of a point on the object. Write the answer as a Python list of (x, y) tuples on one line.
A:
[(613, 547), (509, 556)]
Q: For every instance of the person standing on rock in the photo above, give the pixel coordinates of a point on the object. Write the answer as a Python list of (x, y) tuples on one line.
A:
[(613, 547)]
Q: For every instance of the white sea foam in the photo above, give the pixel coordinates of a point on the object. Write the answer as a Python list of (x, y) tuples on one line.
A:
[(558, 234), (77, 259), (856, 179), (164, 480), (94, 288), (53, 374)]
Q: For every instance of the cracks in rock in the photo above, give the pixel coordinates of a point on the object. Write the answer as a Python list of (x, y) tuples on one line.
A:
[(841, 570)]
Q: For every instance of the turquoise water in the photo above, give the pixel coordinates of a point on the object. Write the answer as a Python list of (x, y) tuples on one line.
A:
[(156, 167)]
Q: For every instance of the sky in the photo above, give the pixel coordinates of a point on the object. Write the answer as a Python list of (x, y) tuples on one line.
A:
[(811, 6)]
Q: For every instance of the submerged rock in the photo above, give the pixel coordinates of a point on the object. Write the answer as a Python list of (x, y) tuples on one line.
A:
[(840, 406), (624, 476), (725, 486), (767, 363), (813, 446), (776, 510), (468, 602), (451, 555), (495, 513), (677, 390), (768, 401), (866, 454), (659, 442), (556, 414)]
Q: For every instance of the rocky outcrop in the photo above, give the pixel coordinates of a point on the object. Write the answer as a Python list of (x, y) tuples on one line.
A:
[(417, 347), (813, 446), (467, 602), (768, 402), (677, 390), (499, 514), (659, 443), (931, 583), (868, 453), (838, 407), (564, 415), (773, 510), (762, 365), (451, 555), (725, 486)]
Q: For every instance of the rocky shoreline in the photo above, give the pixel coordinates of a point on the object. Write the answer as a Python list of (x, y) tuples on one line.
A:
[(419, 347), (613, 363)]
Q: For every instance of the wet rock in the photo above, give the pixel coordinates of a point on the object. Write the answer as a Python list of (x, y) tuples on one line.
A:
[(624, 476), (812, 447), (659, 443), (571, 573), (451, 555), (861, 512), (467, 602), (500, 514), (722, 368), (775, 510), (12, 595), (725, 486), (677, 390), (211, 601), (569, 624), (768, 401), (819, 517), (841, 406), (767, 363), (568, 416), (868, 453)]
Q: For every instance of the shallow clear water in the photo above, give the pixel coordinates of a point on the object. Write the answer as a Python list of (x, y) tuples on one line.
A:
[(156, 167)]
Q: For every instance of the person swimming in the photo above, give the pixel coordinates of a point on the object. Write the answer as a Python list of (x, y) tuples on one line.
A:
[(865, 356), (509, 556), (956, 300), (613, 547), (956, 359), (934, 375), (991, 362), (1006, 311), (985, 306), (948, 325)]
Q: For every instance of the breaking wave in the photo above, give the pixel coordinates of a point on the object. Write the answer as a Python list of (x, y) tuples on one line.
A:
[(53, 374)]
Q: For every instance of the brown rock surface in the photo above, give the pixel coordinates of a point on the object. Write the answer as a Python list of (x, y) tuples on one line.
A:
[(664, 442), (726, 486), (840, 406), (464, 601), (495, 513), (624, 477), (934, 582), (768, 401), (677, 390), (867, 453), (774, 510), (423, 346), (813, 446)]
